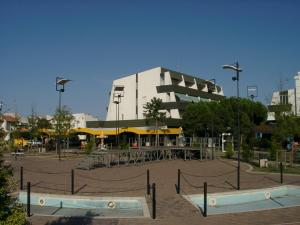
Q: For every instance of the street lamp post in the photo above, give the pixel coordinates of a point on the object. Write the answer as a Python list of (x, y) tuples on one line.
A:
[(60, 87), (235, 67), (252, 93), (117, 101)]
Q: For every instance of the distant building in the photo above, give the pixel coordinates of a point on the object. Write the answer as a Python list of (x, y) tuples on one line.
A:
[(176, 90), (9, 120), (129, 94), (286, 101), (81, 119)]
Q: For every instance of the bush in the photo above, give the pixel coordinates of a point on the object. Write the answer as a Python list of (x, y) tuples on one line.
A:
[(247, 153), (273, 150), (10, 213), (90, 146), (229, 151), (17, 217)]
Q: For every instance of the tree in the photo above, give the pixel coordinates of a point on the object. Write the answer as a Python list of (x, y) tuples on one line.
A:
[(153, 113), (62, 121), (43, 123), (221, 116), (32, 126), (10, 212)]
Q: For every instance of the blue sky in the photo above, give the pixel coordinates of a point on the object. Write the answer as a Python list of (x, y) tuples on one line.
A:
[(94, 42)]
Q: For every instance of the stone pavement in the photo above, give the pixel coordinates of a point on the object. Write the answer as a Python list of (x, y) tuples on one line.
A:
[(51, 176)]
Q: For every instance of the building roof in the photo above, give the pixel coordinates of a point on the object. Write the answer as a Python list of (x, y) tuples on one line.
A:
[(9, 118)]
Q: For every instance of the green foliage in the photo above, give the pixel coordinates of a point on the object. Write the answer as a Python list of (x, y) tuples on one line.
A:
[(275, 146), (152, 110), (63, 122), (153, 113), (287, 126), (16, 217), (221, 117), (90, 146), (247, 153), (229, 151), (10, 213), (32, 126), (43, 123)]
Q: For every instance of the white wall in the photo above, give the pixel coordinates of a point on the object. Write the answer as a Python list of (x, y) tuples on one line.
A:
[(80, 120), (127, 104), (297, 88), (148, 80)]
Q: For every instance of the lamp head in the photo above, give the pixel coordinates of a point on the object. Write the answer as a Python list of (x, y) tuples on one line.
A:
[(232, 67)]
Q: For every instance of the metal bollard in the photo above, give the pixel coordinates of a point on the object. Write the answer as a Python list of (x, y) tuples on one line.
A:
[(148, 182), (205, 200), (281, 173), (178, 182), (28, 199), (72, 182), (153, 201), (21, 178)]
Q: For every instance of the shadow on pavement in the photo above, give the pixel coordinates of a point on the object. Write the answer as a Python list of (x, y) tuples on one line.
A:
[(87, 220)]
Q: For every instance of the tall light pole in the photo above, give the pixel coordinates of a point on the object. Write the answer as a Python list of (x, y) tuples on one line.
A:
[(60, 87), (252, 92), (235, 67), (117, 95), (117, 101)]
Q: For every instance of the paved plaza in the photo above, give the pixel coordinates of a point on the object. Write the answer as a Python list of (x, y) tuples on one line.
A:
[(48, 175)]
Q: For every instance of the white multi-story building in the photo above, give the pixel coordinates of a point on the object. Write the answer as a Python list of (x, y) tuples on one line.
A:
[(80, 120), (130, 93), (288, 100)]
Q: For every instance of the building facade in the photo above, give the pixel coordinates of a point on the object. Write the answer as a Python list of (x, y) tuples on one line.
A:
[(287, 101), (129, 94)]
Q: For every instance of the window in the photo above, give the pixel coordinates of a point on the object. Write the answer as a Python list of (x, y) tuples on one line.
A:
[(284, 98), (162, 79)]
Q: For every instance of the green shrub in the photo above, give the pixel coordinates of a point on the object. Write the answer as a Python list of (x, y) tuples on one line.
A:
[(247, 153), (90, 146), (273, 150), (16, 217), (10, 213), (229, 151)]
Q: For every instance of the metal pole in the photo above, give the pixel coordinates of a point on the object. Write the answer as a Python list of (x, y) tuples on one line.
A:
[(153, 201), (28, 199), (116, 124), (205, 200), (72, 181), (59, 126), (21, 178), (281, 173), (148, 182), (238, 123), (178, 181)]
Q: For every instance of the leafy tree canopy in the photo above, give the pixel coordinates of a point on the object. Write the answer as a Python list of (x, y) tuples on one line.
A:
[(152, 110), (63, 121), (219, 117)]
